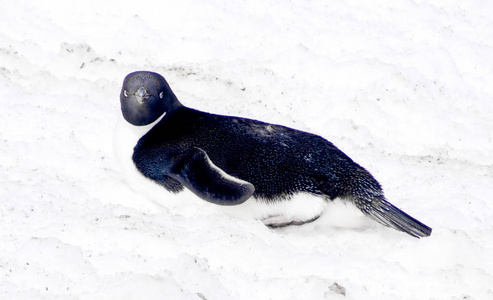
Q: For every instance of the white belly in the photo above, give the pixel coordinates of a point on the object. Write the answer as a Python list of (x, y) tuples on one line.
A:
[(125, 138), (299, 209)]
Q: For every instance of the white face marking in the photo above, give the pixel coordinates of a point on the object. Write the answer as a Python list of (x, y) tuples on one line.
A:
[(125, 93), (161, 95)]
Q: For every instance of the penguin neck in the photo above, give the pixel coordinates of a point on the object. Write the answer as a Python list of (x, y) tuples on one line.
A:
[(174, 104), (140, 131)]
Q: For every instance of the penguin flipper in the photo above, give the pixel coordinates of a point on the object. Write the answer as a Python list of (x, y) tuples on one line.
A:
[(196, 172)]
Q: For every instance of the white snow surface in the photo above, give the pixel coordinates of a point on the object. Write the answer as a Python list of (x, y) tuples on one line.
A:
[(403, 87)]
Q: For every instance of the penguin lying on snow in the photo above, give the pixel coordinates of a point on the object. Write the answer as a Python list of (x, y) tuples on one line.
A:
[(226, 160)]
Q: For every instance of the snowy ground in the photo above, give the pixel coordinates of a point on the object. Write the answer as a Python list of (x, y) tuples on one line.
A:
[(403, 87)]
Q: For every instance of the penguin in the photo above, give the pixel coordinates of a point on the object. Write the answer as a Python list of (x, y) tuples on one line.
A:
[(228, 160)]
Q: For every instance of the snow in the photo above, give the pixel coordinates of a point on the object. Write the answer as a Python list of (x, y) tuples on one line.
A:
[(403, 87)]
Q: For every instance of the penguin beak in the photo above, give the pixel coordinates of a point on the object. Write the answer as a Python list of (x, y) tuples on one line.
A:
[(141, 95)]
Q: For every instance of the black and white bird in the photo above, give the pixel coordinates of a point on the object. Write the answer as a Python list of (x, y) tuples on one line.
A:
[(228, 160)]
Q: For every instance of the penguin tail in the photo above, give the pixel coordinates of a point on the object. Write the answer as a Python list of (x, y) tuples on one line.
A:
[(387, 214)]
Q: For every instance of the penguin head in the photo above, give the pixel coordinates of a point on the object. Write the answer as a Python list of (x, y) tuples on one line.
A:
[(145, 96)]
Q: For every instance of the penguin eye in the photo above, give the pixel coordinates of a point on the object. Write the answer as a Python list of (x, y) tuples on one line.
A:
[(125, 93), (161, 95)]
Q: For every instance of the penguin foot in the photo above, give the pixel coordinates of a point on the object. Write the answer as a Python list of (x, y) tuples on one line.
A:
[(283, 221)]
